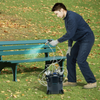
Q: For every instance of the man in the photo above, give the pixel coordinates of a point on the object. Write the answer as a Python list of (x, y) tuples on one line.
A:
[(77, 30)]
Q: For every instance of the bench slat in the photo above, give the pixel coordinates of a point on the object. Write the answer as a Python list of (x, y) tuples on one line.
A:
[(22, 42), (37, 59), (24, 47), (26, 52)]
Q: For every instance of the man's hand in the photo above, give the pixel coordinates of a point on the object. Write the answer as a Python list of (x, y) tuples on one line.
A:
[(54, 42), (69, 50)]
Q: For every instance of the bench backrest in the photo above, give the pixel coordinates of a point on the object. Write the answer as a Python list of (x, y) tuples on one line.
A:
[(24, 47)]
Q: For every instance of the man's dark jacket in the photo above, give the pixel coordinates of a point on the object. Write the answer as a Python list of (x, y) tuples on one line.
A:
[(76, 28)]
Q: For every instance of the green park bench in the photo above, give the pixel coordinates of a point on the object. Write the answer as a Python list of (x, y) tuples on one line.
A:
[(8, 48)]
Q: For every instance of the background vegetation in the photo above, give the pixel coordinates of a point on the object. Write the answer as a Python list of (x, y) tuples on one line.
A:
[(32, 20)]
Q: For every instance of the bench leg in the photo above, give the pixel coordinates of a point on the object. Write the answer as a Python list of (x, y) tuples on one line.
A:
[(61, 63), (9, 64), (47, 63), (3, 65), (14, 70)]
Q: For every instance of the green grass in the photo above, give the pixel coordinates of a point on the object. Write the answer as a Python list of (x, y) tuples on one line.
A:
[(31, 20)]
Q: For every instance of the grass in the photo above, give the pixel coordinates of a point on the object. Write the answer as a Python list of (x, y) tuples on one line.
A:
[(31, 20)]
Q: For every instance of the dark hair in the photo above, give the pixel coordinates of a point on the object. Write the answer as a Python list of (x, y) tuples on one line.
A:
[(58, 6)]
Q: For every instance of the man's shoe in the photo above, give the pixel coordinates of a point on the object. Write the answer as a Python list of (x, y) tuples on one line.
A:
[(90, 85), (69, 84)]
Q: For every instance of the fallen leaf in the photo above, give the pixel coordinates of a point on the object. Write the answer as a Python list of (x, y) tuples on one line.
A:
[(79, 80), (22, 94), (5, 31), (7, 81), (26, 79), (15, 96), (18, 80), (98, 45), (2, 91)]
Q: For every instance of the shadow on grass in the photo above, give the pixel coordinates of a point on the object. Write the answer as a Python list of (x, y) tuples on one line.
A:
[(81, 84), (31, 71), (27, 72), (23, 69), (41, 88), (44, 88)]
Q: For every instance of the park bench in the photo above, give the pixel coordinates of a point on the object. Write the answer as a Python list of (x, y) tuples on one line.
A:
[(13, 48)]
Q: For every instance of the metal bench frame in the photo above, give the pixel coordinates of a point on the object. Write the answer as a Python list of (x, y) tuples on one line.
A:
[(23, 47)]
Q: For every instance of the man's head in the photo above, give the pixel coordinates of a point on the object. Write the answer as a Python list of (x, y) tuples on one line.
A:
[(60, 10)]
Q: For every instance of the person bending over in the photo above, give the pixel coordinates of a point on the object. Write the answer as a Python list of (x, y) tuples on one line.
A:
[(77, 30)]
